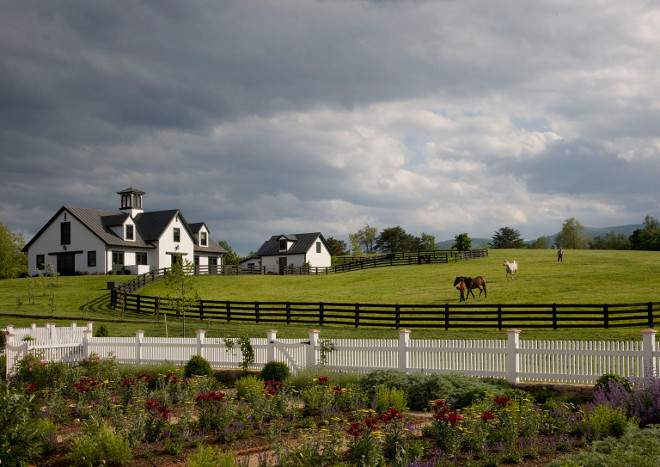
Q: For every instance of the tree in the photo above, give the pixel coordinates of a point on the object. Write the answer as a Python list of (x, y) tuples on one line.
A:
[(392, 239), (611, 241), (507, 237), (356, 248), (570, 235), (13, 262), (647, 238), (427, 242), (541, 243), (366, 237), (231, 257), (462, 242), (337, 247), (182, 295)]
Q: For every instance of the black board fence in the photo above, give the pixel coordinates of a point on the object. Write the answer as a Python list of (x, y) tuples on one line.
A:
[(439, 316)]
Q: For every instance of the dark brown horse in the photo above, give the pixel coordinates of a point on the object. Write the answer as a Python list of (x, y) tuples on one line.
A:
[(472, 283)]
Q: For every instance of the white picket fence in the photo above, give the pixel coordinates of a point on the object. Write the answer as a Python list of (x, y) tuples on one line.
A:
[(513, 359)]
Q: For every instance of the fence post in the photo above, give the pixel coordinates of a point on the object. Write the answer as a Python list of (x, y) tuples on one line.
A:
[(650, 306), (311, 350), (139, 335), (446, 317), (52, 332), (257, 315), (87, 333), (606, 317), (357, 315), (554, 316), (10, 328), (397, 316), (512, 357), (201, 334), (321, 314), (648, 347), (89, 325), (201, 309), (272, 339), (404, 342), (33, 327)]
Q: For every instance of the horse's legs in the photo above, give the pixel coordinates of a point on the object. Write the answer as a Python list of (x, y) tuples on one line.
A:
[(471, 292)]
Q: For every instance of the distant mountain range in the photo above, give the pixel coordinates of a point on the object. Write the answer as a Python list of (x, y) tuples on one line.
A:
[(587, 232)]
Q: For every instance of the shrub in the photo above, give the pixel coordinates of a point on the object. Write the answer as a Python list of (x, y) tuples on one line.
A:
[(306, 377), (211, 457), (3, 340), (641, 402), (603, 420), (275, 371), (100, 369), (610, 380), (3, 366), (197, 366), (101, 331), (387, 398), (248, 385), (19, 436), (100, 444)]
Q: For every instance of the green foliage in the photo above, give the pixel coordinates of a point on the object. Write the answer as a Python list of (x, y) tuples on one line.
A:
[(603, 383), (231, 257), (208, 456), (99, 369), (647, 238), (507, 237), (102, 331), (388, 398), (462, 242), (307, 377), (44, 374), (337, 247), (603, 421), (13, 263), (19, 434), (636, 447), (182, 295), (197, 366), (570, 235), (100, 444), (276, 371), (3, 340), (395, 239), (248, 385)]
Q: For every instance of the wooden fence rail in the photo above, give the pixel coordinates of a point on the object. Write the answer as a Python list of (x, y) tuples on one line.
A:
[(440, 316)]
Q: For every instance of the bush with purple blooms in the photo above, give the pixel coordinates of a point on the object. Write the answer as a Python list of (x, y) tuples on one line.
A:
[(642, 401)]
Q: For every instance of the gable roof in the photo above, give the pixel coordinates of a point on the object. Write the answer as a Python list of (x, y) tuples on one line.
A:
[(301, 244), (151, 225)]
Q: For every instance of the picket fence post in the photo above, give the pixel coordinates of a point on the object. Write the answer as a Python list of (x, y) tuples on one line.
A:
[(10, 328), (87, 333), (89, 325), (404, 342), (311, 350), (512, 356), (648, 347), (272, 339), (33, 326), (52, 334), (139, 336), (201, 334)]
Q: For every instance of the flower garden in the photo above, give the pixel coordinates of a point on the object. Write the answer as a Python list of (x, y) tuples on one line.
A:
[(103, 413)]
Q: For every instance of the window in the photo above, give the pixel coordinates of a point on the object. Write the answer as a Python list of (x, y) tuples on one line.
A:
[(318, 247), (175, 259), (129, 231), (117, 258), (177, 234), (203, 239), (91, 258), (283, 245), (41, 261), (141, 258), (65, 233)]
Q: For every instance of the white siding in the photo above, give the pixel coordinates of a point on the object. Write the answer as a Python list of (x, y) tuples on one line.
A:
[(319, 260), (166, 244)]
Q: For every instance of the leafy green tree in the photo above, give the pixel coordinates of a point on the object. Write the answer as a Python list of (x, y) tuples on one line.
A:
[(13, 263), (393, 239), (462, 242), (356, 248), (182, 295), (231, 257), (366, 237), (611, 241), (427, 242), (507, 237), (647, 238), (570, 235), (541, 243), (337, 247)]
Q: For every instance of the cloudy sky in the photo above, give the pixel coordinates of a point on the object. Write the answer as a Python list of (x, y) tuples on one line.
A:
[(268, 117)]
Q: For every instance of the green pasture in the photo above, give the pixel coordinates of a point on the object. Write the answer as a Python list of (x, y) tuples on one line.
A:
[(585, 276)]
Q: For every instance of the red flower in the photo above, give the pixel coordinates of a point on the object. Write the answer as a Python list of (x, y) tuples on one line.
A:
[(355, 429), (152, 405), (390, 414), (32, 387), (145, 376), (487, 415), (371, 423), (165, 412), (337, 390), (444, 413), (502, 401), (322, 380), (127, 383)]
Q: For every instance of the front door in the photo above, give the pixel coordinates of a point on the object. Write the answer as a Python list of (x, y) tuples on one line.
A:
[(282, 265), (66, 264)]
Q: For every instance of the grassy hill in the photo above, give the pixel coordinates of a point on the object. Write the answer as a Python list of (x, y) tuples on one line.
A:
[(585, 276)]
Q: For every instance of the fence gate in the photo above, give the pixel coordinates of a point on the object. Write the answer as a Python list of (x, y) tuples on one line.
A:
[(294, 354)]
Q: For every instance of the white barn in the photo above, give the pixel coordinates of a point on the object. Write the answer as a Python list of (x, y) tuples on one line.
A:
[(282, 251), (93, 241)]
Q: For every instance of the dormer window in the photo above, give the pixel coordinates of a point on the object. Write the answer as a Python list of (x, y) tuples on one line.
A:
[(202, 239), (283, 244), (129, 232)]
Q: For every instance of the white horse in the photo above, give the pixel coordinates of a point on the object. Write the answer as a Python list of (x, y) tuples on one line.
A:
[(511, 268)]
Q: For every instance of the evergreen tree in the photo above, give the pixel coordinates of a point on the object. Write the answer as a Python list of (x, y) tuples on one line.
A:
[(507, 237), (337, 247), (462, 242)]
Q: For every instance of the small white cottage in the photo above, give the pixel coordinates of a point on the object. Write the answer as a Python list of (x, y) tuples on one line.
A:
[(93, 241), (282, 251)]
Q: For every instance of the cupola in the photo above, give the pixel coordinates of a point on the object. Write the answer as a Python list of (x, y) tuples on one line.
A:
[(131, 201)]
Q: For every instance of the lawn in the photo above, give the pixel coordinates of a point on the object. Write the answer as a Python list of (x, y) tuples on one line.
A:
[(585, 276)]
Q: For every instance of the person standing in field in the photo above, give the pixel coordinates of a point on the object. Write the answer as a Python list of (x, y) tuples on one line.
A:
[(560, 255), (461, 289)]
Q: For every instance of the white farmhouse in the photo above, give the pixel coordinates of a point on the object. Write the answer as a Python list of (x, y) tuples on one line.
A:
[(297, 250), (93, 241)]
